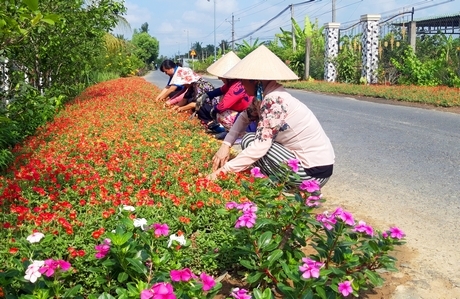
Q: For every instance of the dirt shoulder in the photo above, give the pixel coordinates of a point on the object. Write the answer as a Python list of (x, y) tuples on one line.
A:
[(425, 267)]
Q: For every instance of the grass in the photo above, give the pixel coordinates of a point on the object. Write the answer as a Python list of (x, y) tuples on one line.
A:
[(437, 96)]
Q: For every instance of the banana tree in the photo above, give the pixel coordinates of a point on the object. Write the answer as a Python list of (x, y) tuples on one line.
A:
[(245, 48), (309, 39)]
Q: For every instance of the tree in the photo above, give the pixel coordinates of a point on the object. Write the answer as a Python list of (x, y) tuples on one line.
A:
[(145, 27), (245, 48), (147, 47), (224, 46)]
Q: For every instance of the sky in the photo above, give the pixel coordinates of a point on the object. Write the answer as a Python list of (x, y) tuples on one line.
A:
[(177, 24)]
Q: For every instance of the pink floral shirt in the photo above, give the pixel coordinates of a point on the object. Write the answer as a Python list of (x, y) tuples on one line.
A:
[(286, 120)]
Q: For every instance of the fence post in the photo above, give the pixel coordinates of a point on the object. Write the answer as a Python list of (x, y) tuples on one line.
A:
[(370, 48), (331, 51)]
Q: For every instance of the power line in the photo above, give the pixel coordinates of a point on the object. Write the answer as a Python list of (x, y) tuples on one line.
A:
[(269, 21)]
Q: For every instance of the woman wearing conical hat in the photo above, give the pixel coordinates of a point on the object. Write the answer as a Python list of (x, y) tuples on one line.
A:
[(287, 130), (233, 97)]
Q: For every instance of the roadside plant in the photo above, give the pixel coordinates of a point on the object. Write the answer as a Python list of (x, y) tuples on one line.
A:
[(137, 259), (289, 249)]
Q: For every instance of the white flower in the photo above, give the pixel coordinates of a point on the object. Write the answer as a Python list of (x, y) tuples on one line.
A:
[(35, 237), (178, 239), (129, 208), (140, 222), (32, 273)]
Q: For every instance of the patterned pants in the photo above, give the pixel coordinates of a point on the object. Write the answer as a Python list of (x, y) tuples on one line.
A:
[(277, 155)]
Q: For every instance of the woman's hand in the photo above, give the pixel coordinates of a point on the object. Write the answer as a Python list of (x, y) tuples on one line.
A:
[(221, 157), (213, 176)]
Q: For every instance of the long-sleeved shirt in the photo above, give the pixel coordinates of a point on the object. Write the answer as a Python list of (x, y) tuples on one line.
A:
[(286, 120), (234, 97)]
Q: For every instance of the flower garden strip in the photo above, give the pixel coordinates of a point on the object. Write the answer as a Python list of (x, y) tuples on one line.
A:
[(110, 200)]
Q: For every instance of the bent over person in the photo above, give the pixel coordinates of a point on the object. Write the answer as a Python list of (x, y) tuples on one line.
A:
[(286, 128)]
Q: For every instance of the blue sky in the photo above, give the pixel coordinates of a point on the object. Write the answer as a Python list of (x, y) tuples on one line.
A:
[(179, 23)]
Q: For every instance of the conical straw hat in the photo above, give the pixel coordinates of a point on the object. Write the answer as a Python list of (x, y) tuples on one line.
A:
[(223, 64), (261, 64)]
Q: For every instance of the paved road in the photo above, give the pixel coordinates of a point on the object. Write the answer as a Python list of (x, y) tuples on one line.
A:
[(396, 165)]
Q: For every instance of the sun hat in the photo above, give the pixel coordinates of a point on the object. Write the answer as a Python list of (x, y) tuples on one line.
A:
[(261, 64), (223, 64), (184, 75)]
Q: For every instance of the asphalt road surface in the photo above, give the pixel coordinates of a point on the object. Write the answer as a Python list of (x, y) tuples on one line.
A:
[(395, 166)]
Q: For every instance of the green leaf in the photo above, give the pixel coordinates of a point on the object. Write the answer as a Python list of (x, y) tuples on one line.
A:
[(247, 264), (36, 19), (119, 240), (288, 292), (122, 276), (31, 4), (375, 279), (320, 292), (254, 277), (72, 292), (49, 21), (274, 256), (137, 265), (257, 294), (264, 239), (106, 296)]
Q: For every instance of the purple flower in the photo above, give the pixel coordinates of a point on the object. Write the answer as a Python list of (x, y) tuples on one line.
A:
[(160, 229), (293, 164), (52, 266), (310, 186), (238, 293), (310, 268), (102, 249), (181, 275), (326, 220), (246, 220), (346, 217), (396, 233), (161, 290), (345, 288), (255, 172), (208, 281), (362, 227), (313, 201)]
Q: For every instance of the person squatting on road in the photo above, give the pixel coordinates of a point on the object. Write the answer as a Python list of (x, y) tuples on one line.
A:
[(233, 97), (192, 86), (286, 128)]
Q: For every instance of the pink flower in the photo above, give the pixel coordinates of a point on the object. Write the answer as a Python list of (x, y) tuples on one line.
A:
[(102, 249), (161, 290), (310, 186), (208, 281), (231, 205), (313, 201), (385, 235), (181, 275), (310, 268), (293, 164), (51, 266), (240, 294), (396, 233), (161, 229), (326, 220), (345, 288), (346, 217), (362, 227), (255, 172), (246, 220)]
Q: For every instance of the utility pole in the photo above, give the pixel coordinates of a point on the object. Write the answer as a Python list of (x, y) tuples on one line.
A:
[(233, 31), (333, 11), (292, 22)]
